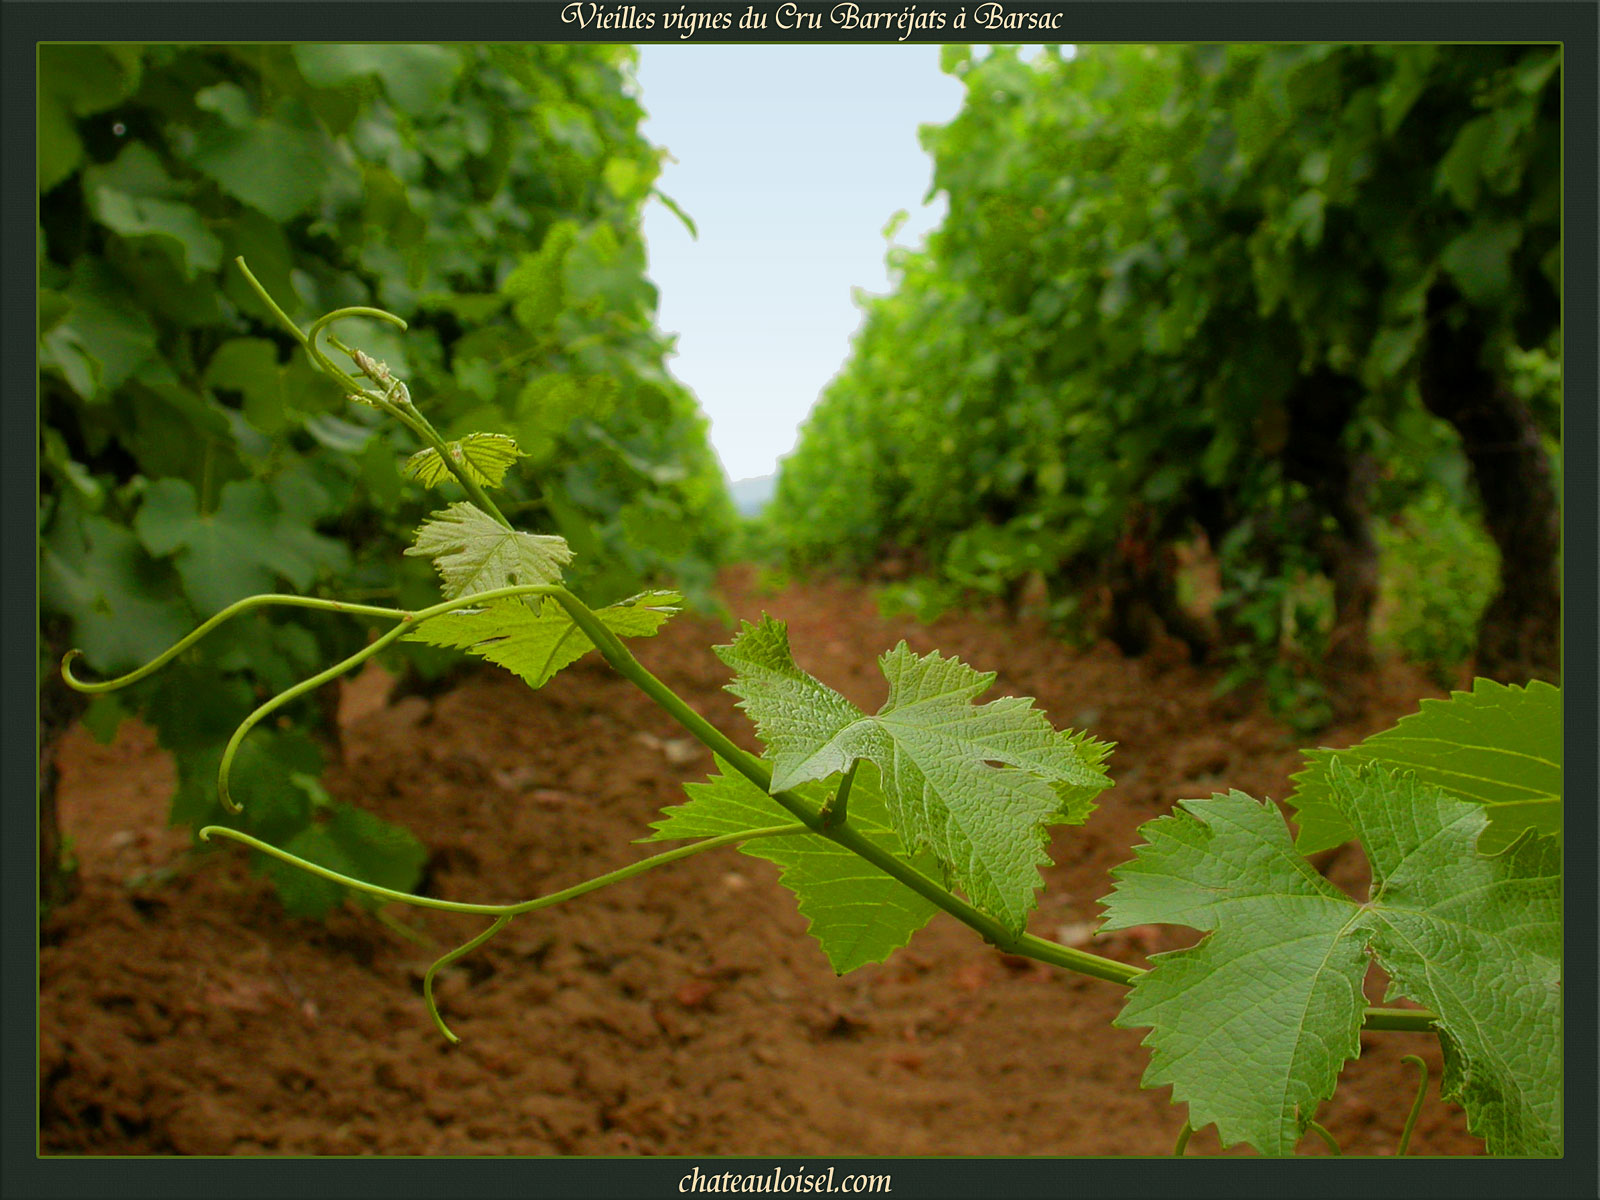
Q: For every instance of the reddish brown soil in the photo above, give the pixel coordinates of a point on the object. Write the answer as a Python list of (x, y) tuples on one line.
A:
[(683, 1012)]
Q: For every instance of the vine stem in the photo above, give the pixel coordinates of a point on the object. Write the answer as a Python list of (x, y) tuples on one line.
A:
[(461, 951), (622, 660), (835, 810), (1327, 1138), (407, 415), (752, 768), (502, 910), (824, 821), (757, 772)]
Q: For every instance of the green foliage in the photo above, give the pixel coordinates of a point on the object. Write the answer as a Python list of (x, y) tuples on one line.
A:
[(536, 640), (974, 784), (1496, 746), (1156, 261), (924, 600), (1252, 1025), (243, 546), (486, 457), (475, 553), (124, 609), (1273, 592), (354, 842), (191, 456), (1439, 572), (859, 914), (872, 819)]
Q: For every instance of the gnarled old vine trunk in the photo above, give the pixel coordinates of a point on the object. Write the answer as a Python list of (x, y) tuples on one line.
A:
[(1519, 636), (1141, 583), (1314, 454)]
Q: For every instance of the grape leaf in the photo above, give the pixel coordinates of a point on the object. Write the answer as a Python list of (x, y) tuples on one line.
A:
[(1496, 745), (475, 553), (418, 79), (123, 606), (60, 150), (107, 335), (136, 198), (859, 914), (262, 779), (104, 717), (937, 753), (225, 555), (297, 551), (275, 167), (1480, 260), (353, 842), (538, 639), (1252, 1025), (273, 393), (485, 456)]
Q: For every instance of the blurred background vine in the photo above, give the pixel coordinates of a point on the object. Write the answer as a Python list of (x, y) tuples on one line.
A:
[(1290, 313)]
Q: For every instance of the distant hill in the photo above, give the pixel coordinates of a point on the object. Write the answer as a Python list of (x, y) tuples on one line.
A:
[(750, 496)]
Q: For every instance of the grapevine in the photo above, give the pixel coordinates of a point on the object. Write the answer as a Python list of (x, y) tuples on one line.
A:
[(939, 803)]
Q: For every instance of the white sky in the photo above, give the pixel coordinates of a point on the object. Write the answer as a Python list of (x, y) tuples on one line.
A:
[(790, 161)]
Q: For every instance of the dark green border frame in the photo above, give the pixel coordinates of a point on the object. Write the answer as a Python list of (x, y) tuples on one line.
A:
[(1575, 23)]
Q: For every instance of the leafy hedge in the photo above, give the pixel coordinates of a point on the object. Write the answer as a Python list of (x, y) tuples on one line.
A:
[(1194, 289), (189, 456)]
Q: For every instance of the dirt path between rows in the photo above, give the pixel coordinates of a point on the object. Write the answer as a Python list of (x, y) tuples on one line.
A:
[(683, 1012)]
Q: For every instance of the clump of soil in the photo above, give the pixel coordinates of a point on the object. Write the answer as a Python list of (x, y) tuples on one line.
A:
[(683, 1012)]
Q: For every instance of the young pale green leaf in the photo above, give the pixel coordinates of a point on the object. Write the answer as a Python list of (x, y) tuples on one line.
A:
[(536, 640), (485, 456), (1252, 1025), (1496, 745), (475, 553), (975, 784), (857, 913)]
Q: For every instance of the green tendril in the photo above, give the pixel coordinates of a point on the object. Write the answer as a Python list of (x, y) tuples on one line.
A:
[(233, 610), (272, 305), (225, 768), (406, 622), (500, 923), (501, 912), (495, 910), (1327, 1138), (1416, 1105), (314, 334), (1184, 1135), (407, 415), (371, 889)]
